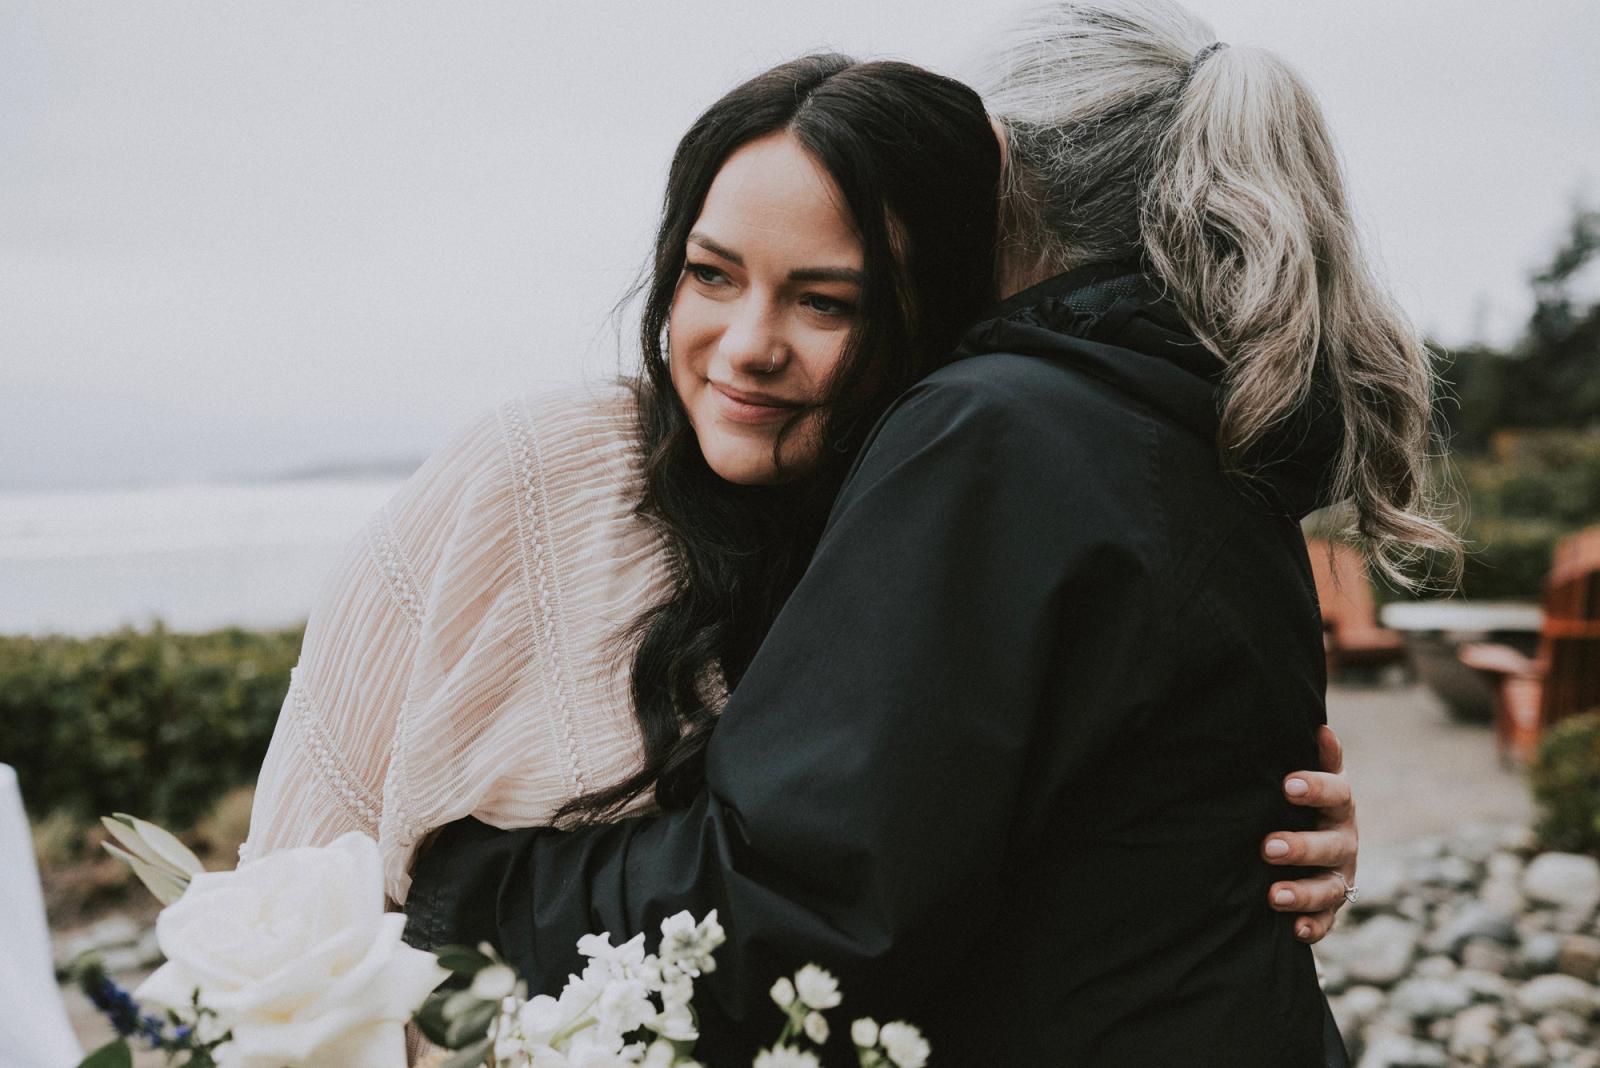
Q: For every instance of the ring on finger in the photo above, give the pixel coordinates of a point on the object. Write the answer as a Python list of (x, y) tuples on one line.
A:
[(1350, 890)]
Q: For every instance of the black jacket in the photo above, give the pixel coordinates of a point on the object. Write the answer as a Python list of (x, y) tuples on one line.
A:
[(1006, 757)]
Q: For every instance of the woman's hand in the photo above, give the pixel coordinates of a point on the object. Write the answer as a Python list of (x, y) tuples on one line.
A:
[(1332, 845)]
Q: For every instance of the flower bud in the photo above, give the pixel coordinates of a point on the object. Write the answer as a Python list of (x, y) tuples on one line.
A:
[(494, 982), (783, 993)]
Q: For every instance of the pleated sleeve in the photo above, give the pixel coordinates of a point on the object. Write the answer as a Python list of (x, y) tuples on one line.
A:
[(468, 654)]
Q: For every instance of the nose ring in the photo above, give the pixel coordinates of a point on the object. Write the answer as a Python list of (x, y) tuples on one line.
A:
[(773, 366)]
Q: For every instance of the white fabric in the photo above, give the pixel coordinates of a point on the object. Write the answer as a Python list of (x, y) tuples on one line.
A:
[(34, 1030), (468, 655)]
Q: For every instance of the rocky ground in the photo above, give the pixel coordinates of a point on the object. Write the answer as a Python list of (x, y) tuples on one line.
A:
[(1470, 949)]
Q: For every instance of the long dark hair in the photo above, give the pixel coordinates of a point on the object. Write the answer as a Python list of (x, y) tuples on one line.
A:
[(918, 166)]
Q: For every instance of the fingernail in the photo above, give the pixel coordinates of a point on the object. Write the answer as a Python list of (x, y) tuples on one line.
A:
[(1284, 897), (1303, 931), (1296, 788), (1277, 847)]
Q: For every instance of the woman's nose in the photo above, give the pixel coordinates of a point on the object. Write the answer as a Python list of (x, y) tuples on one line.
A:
[(752, 341)]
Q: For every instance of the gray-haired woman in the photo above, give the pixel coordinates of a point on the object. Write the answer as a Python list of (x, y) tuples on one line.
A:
[(1060, 638), (1134, 136)]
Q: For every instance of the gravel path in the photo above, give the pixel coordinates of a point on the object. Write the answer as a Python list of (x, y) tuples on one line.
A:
[(1415, 771)]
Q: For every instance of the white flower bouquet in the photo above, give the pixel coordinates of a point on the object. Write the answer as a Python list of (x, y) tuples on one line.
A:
[(290, 961)]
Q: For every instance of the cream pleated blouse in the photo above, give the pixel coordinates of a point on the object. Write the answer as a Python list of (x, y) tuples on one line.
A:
[(468, 655)]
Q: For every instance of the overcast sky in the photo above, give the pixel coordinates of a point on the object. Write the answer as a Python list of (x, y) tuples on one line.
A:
[(254, 237)]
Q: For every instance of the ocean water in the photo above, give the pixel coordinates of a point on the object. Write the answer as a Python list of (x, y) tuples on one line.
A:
[(196, 556)]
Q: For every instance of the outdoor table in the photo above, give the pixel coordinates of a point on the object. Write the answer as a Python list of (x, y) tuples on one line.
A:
[(1434, 630)]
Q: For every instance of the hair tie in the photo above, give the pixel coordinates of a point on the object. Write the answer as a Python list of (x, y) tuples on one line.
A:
[(1203, 55)]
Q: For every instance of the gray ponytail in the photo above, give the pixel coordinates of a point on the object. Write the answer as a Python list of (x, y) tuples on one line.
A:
[(1221, 177)]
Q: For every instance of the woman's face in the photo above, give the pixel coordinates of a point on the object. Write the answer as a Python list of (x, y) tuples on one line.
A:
[(766, 304)]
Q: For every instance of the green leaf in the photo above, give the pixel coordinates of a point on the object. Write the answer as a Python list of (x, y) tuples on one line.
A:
[(473, 1055), (430, 1020), (111, 1055), (471, 1024), (459, 1002), (462, 959)]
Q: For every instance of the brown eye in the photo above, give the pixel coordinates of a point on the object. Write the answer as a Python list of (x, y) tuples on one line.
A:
[(829, 306)]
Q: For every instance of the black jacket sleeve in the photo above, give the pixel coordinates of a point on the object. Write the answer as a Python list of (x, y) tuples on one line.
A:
[(863, 781)]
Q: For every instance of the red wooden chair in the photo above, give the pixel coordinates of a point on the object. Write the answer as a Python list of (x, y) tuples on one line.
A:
[(1351, 636), (1532, 693)]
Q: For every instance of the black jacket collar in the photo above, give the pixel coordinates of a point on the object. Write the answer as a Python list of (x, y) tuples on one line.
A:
[(1115, 324)]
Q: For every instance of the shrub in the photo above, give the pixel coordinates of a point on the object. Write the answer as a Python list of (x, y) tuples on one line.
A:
[(1531, 490), (1566, 783), (154, 723)]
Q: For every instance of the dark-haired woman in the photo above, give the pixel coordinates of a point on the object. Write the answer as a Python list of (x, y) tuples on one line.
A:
[(541, 625)]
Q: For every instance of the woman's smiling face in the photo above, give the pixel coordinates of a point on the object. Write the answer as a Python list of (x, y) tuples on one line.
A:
[(764, 310)]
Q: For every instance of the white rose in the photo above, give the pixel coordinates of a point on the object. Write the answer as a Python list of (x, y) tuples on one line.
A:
[(296, 956), (816, 987), (904, 1044)]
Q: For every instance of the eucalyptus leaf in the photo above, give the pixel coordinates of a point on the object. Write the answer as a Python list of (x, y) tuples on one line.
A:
[(111, 1055), (471, 1024), (430, 1020), (462, 959)]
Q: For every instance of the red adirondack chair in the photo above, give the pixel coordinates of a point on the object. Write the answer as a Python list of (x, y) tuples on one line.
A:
[(1563, 678), (1351, 636)]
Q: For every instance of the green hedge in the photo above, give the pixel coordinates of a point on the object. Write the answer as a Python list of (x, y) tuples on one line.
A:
[(1529, 492), (1566, 783), (154, 723)]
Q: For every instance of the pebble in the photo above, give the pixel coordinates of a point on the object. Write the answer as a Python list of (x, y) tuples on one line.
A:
[(1475, 1032), (1428, 999), (1481, 953), (1558, 993), (1475, 920), (1382, 949), (1568, 881), (1579, 957), (1521, 1049)]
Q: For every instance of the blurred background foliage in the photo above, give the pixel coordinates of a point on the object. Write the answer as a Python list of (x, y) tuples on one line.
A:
[(158, 724), (1523, 425)]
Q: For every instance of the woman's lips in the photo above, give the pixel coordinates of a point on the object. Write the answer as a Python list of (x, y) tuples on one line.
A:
[(751, 408)]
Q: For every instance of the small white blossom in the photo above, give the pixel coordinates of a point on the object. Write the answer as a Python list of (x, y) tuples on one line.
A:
[(688, 945), (816, 1028), (626, 961), (864, 1032), (783, 993), (786, 1057), (675, 1022), (904, 1044), (816, 987), (677, 989), (624, 1006)]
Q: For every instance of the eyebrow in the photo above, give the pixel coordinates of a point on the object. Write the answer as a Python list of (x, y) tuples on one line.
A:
[(802, 274)]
